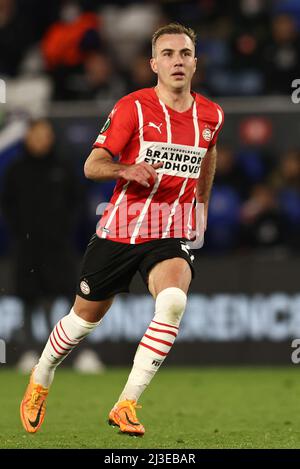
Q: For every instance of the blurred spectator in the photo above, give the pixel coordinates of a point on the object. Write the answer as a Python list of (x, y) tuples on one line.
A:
[(252, 14), (246, 51), (255, 162), (196, 14), (246, 64), (261, 219), (291, 7), (67, 44), (141, 75), (15, 37), (287, 174), (281, 55), (224, 208), (229, 173), (200, 82), (286, 179), (129, 27), (223, 228), (257, 222), (40, 200), (97, 80)]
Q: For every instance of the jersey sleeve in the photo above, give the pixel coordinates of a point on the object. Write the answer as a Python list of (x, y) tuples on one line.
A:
[(118, 128), (219, 125)]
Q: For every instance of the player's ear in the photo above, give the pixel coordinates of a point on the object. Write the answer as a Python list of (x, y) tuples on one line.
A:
[(153, 65), (195, 63)]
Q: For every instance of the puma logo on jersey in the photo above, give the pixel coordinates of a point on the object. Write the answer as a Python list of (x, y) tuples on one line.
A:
[(151, 124)]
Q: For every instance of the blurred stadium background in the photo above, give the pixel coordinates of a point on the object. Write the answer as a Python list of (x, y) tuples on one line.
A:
[(65, 64)]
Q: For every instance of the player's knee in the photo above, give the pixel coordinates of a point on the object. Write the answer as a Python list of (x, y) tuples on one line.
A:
[(170, 305)]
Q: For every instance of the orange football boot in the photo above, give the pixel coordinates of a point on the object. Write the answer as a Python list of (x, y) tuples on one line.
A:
[(123, 415), (33, 406)]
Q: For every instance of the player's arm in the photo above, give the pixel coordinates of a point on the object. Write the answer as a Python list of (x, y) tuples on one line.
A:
[(100, 166), (205, 181)]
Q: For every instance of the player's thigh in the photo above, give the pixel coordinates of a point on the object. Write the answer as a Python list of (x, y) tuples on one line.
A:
[(174, 272), (91, 311)]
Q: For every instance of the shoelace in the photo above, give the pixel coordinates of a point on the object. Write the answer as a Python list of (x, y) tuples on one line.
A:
[(37, 392), (132, 406)]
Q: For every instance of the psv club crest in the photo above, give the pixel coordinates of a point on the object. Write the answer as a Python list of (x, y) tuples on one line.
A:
[(207, 134)]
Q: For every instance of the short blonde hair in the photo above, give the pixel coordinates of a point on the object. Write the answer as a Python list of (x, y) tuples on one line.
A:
[(173, 28)]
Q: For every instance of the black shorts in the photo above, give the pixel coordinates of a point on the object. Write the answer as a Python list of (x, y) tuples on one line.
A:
[(108, 266)]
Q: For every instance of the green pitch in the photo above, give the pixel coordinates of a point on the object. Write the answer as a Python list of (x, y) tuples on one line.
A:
[(183, 408)]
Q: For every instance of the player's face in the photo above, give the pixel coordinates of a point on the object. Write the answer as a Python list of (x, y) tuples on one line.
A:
[(174, 61)]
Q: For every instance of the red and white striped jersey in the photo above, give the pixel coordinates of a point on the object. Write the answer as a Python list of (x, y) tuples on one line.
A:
[(142, 128)]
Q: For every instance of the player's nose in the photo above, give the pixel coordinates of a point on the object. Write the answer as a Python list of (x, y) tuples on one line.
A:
[(178, 60)]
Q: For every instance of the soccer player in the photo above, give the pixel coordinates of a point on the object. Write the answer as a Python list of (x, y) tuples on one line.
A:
[(166, 141)]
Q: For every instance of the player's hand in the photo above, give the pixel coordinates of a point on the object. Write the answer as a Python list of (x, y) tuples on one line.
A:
[(143, 173)]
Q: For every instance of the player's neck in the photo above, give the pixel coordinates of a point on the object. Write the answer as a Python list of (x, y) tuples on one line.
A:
[(180, 100)]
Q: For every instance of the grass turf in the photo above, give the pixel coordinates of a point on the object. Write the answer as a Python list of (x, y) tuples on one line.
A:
[(183, 408)]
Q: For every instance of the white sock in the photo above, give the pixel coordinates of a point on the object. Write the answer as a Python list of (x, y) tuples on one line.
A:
[(67, 333), (156, 343)]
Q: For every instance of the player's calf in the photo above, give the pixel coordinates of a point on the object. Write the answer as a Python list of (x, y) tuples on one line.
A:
[(156, 342)]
